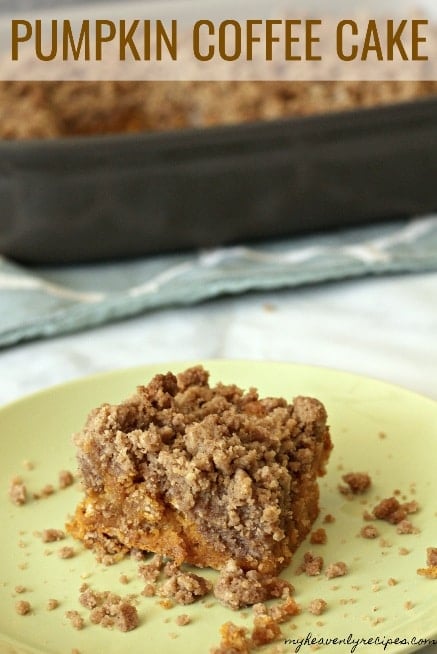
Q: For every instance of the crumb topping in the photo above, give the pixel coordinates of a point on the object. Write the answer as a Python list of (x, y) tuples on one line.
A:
[(357, 483), (45, 492), (52, 535), (234, 640), (183, 619), (312, 565), (184, 587), (319, 537), (406, 527), (369, 531), (17, 491), (66, 552), (22, 607), (317, 606), (431, 561), (151, 571), (66, 108), (338, 569), (65, 479), (110, 610), (431, 556), (76, 620), (237, 588)]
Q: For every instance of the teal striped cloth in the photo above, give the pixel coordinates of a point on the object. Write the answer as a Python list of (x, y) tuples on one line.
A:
[(44, 302)]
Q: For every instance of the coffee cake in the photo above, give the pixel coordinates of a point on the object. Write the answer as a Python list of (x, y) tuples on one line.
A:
[(201, 474)]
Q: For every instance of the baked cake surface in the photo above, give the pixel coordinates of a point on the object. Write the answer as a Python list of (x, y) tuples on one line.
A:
[(47, 110), (201, 474)]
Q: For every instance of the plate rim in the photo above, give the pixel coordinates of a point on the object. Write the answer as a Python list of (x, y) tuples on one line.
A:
[(185, 363)]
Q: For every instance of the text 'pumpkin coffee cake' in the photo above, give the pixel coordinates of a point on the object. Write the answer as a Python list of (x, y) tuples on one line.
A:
[(201, 474)]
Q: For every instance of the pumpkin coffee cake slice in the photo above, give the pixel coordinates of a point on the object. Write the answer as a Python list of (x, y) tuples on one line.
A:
[(201, 474)]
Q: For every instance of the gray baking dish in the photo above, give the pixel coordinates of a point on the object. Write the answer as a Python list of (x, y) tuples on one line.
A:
[(96, 198)]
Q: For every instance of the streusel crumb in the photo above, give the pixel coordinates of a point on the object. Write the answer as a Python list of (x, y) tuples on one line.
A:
[(17, 491), (237, 588), (318, 537), (357, 483), (406, 527), (45, 492), (265, 630), (65, 479), (431, 561), (234, 640), (110, 610), (22, 607), (369, 531), (431, 556), (76, 620), (338, 569), (149, 590), (66, 552), (183, 620), (390, 510), (184, 587), (430, 572), (52, 535), (317, 606), (312, 565)]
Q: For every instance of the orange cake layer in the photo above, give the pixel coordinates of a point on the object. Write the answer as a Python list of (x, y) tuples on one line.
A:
[(201, 474)]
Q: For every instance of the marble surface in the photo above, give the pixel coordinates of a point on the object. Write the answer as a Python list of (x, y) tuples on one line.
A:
[(384, 327)]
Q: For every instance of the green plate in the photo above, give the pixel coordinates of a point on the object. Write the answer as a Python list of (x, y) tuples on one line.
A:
[(360, 605)]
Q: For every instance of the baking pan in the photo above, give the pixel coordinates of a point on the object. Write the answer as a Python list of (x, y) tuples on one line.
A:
[(98, 198)]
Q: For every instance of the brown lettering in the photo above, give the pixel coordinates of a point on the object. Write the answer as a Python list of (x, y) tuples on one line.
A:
[(416, 39), (101, 37), (18, 36), (372, 42), (310, 39), (38, 41), (69, 44), (126, 40), (223, 40), (290, 39), (270, 39), (196, 40), (170, 41), (340, 40), (251, 38), (394, 39)]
